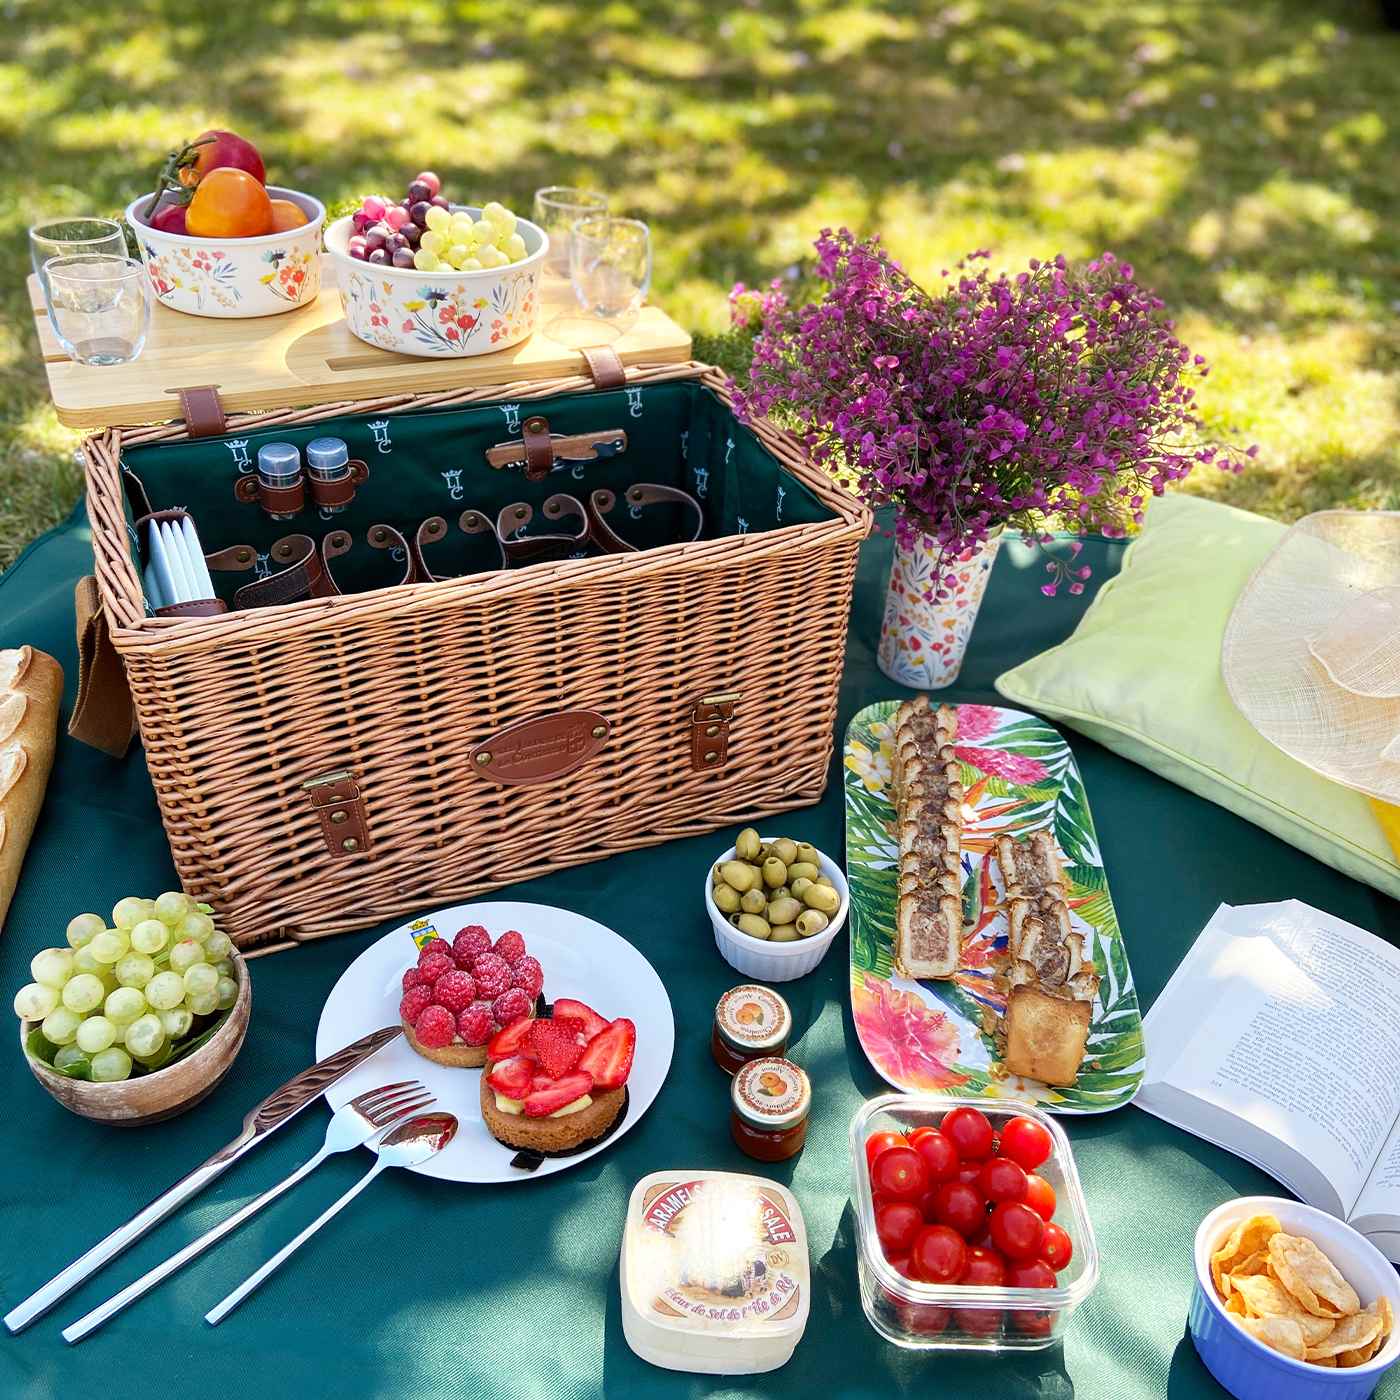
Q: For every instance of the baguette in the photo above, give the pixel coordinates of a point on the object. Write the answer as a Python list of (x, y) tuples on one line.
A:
[(31, 686)]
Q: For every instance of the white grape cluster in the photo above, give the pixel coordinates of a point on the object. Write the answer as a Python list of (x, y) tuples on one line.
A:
[(456, 240), (130, 992)]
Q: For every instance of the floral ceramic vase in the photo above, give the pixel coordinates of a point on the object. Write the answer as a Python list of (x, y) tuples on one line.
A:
[(923, 640)]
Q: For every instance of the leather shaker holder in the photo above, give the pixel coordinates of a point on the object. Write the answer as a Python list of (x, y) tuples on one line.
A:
[(335, 798), (710, 718), (290, 500), (198, 607)]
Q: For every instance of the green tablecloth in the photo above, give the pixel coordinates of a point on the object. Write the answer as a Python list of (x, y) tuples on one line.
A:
[(423, 1289)]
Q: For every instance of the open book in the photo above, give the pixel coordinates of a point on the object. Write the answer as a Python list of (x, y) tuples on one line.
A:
[(1278, 1038)]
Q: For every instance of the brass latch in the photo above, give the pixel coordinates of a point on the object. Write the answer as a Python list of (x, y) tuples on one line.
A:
[(710, 718), (336, 799)]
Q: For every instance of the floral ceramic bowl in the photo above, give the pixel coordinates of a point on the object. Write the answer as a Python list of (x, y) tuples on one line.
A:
[(234, 276), (442, 314)]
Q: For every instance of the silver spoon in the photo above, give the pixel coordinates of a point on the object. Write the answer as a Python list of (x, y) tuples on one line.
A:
[(408, 1145)]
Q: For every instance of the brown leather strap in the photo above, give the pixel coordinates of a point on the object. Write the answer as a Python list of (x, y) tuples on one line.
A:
[(203, 607), (302, 574), (434, 529), (340, 542), (642, 493), (336, 799), (532, 549), (103, 715), (275, 500), (202, 411), (605, 365), (338, 493), (539, 449), (566, 447), (710, 718)]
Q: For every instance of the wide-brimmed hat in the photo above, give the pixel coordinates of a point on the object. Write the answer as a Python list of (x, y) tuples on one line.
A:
[(1311, 654)]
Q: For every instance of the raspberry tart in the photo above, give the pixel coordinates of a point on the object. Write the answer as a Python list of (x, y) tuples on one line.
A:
[(553, 1084), (458, 995)]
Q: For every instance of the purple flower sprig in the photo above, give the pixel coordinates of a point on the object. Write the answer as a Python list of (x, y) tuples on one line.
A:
[(1061, 393)]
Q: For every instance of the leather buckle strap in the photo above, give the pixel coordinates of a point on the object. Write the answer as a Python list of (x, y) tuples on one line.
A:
[(539, 447), (638, 496), (275, 500), (605, 365), (202, 410)]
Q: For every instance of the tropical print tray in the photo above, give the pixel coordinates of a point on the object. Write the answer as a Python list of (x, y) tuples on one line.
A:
[(935, 1036)]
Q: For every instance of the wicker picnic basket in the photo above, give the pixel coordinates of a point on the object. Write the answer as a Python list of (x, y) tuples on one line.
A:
[(322, 765)]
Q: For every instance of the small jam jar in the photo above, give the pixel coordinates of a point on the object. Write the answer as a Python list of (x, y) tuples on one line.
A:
[(751, 1023), (770, 1101)]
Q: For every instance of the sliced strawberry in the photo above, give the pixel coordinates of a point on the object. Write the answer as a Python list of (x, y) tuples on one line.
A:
[(540, 1081), (574, 1025), (608, 1056), (512, 1077), (556, 1047), (543, 1102), (566, 1009), (509, 1041)]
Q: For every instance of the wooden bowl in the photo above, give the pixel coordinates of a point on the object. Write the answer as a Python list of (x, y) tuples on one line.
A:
[(149, 1098)]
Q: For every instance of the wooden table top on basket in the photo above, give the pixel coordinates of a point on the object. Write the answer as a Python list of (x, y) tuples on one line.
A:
[(307, 356)]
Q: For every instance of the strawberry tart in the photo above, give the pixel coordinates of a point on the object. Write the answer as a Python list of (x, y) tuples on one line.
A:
[(460, 994), (553, 1084)]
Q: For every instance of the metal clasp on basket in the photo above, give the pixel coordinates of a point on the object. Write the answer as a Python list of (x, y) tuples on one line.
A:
[(335, 797), (710, 718)]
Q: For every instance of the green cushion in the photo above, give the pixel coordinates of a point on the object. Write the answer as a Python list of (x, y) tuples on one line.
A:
[(1141, 674)]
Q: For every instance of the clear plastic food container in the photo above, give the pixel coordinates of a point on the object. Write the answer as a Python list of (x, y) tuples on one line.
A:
[(946, 1316)]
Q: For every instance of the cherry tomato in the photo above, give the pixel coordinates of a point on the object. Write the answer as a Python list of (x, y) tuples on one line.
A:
[(896, 1224), (1040, 1196), (938, 1255), (939, 1154), (1056, 1248), (979, 1322), (1030, 1273), (876, 1143), (1025, 1142), (900, 1264), (916, 1135), (926, 1318), (971, 1173), (985, 1268), (926, 1204), (1002, 1180), (969, 1131), (1033, 1324), (899, 1174), (1017, 1230), (957, 1204)]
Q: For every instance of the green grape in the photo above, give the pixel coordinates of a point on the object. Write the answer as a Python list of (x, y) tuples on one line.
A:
[(158, 1059), (227, 993), (135, 970), (437, 218), (166, 990), (203, 1005), (149, 937), (71, 1058), (216, 947), (82, 928), (61, 1025), (425, 261), (201, 980), (185, 954), (84, 992), (83, 961), (196, 926), (225, 968), (110, 945), (124, 1006), (128, 912), (34, 1001), (433, 241), (53, 966), (172, 906), (491, 256), (96, 1033), (108, 1066), (144, 1036), (177, 1021), (514, 247)]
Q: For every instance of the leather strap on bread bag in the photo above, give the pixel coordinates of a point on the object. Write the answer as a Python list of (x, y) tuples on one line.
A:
[(103, 715)]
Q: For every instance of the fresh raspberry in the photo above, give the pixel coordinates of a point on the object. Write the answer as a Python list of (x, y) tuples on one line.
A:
[(470, 944), (455, 990), (555, 1046), (528, 975), (434, 1027), (434, 947), (510, 946), (415, 999), (412, 977), (432, 968), (492, 975), (511, 1006), (474, 1024)]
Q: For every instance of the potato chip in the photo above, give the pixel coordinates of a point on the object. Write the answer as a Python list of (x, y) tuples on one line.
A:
[(1311, 1277), (1235, 1303), (1266, 1297), (1350, 1334), (1360, 1356), (1248, 1237), (1323, 1360), (1281, 1333)]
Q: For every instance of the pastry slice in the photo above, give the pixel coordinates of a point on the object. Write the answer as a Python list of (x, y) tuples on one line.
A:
[(928, 933), (1031, 867), (1045, 1035)]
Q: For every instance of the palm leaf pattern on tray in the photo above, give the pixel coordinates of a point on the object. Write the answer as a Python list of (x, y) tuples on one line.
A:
[(1020, 776)]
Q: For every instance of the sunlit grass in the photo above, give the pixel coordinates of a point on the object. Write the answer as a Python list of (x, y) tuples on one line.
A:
[(1241, 156)]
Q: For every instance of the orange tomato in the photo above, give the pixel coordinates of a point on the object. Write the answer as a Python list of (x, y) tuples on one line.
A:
[(229, 203), (287, 215)]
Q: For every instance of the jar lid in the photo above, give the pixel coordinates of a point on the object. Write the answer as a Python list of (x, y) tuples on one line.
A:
[(753, 1018), (279, 459), (771, 1094), (326, 453)]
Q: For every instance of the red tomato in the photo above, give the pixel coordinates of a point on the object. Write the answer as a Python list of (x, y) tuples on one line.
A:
[(1040, 1196), (938, 1255), (900, 1264), (1033, 1324), (1056, 1248), (899, 1174), (957, 1204), (876, 1143), (969, 1131), (1002, 1180), (1025, 1142), (971, 1173), (896, 1224), (916, 1135), (940, 1156), (926, 1203), (925, 1318), (985, 1268), (1030, 1273), (1017, 1230), (979, 1322)]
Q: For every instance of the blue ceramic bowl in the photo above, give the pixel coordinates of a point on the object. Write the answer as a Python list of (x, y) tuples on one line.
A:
[(1248, 1369)]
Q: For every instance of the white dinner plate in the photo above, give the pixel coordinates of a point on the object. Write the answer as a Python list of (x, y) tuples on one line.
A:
[(581, 959)]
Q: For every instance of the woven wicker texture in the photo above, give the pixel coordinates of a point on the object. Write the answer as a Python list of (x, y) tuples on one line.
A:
[(238, 712)]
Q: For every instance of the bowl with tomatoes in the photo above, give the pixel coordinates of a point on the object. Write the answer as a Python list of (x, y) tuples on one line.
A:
[(971, 1225)]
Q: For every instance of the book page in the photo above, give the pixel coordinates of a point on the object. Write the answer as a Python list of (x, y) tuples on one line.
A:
[(1378, 1209)]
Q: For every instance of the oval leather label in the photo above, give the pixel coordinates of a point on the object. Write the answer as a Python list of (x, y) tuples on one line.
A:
[(541, 749)]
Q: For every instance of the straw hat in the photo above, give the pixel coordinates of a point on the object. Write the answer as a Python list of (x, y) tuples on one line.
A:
[(1311, 654)]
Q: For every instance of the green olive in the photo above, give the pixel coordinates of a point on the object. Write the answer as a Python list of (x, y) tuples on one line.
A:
[(783, 911), (739, 876), (784, 933), (807, 853), (811, 922), (822, 898), (753, 901), (785, 850), (726, 899), (747, 844), (782, 892), (803, 869), (800, 885), (753, 925), (822, 880), (775, 873)]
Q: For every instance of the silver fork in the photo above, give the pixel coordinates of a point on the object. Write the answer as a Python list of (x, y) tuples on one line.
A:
[(367, 1116)]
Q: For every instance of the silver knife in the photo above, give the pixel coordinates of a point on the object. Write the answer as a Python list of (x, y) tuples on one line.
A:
[(277, 1108)]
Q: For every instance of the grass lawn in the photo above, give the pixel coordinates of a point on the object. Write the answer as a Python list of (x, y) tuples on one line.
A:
[(1242, 154)]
